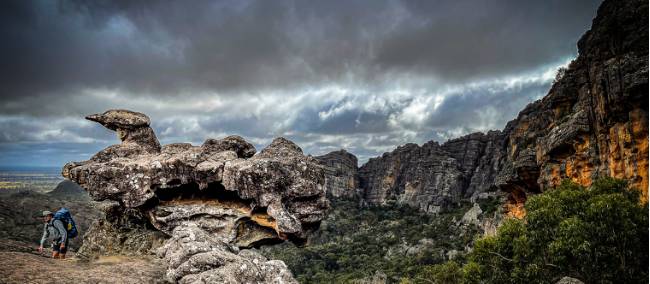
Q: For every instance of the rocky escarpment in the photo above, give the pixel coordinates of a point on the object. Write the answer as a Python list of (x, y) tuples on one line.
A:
[(593, 122), (425, 177), (434, 177), (205, 204), (341, 173)]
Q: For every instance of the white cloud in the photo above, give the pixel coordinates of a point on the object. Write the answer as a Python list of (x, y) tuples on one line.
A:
[(414, 111)]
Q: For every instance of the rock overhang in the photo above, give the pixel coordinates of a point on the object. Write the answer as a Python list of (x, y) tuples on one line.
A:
[(278, 188)]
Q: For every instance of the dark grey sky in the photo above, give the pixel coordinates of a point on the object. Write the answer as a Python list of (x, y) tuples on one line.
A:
[(362, 75)]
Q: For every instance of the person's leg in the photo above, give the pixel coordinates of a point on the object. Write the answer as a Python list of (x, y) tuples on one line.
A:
[(63, 251), (55, 250)]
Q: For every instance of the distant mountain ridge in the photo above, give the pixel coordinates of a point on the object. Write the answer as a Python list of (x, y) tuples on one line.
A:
[(70, 190), (41, 169), (593, 122)]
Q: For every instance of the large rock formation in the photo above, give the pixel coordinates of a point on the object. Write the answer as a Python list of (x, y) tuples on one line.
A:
[(209, 203), (593, 122), (341, 173), (433, 177), (425, 177)]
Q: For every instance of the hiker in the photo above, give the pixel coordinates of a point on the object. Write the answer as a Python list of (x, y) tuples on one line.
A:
[(55, 230)]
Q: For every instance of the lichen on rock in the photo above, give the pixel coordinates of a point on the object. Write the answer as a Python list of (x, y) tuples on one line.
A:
[(212, 202)]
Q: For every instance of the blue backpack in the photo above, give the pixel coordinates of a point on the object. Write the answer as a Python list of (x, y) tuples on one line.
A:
[(64, 215)]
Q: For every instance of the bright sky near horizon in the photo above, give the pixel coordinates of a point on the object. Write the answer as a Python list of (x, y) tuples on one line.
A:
[(364, 75)]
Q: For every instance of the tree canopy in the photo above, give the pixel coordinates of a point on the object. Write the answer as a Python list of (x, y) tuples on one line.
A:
[(597, 234)]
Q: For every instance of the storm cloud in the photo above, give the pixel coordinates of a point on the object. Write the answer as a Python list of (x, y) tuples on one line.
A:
[(362, 75)]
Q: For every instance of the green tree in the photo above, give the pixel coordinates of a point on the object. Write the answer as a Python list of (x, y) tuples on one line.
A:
[(446, 273), (597, 234)]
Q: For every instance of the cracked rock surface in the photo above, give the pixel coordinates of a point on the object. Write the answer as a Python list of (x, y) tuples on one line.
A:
[(211, 202)]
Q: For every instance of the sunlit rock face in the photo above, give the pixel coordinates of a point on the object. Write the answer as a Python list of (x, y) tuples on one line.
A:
[(211, 201), (594, 120), (592, 123)]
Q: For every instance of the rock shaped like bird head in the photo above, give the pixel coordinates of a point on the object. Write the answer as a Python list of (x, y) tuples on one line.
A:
[(132, 128)]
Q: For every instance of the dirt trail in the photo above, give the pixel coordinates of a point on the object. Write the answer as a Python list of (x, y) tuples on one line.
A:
[(20, 263)]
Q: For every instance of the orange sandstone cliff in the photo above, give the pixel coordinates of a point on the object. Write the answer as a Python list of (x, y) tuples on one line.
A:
[(594, 120)]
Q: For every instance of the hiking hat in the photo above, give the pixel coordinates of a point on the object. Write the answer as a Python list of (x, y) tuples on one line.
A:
[(46, 212)]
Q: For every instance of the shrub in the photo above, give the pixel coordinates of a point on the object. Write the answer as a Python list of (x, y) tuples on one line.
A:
[(597, 234)]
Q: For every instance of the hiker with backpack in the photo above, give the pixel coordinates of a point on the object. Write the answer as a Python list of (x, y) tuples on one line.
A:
[(59, 227)]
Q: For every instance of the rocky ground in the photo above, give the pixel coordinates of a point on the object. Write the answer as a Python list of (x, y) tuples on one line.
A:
[(20, 211), (20, 232), (21, 263)]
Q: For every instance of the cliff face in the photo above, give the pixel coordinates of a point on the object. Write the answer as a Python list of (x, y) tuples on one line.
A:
[(424, 177), (433, 177), (593, 122), (201, 207), (341, 173)]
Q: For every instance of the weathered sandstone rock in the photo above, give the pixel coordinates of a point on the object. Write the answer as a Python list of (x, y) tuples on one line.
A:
[(210, 202), (433, 177), (594, 120), (132, 129), (341, 173)]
